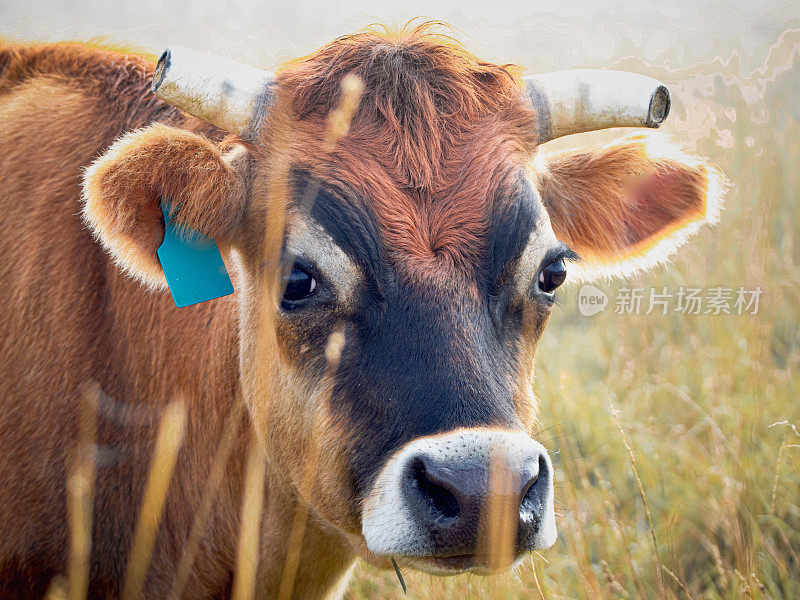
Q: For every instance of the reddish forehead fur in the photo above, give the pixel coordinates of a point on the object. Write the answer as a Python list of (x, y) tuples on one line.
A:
[(437, 136)]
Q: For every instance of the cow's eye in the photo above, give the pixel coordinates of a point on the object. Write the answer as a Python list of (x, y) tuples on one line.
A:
[(300, 284), (552, 276)]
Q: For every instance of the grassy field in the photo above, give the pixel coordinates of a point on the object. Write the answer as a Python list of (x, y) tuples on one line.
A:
[(675, 437)]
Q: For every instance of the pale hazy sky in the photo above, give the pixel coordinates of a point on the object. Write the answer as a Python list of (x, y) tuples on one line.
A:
[(112, 11), (536, 33)]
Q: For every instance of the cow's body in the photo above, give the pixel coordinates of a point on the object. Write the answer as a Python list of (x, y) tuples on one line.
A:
[(70, 316), (432, 255)]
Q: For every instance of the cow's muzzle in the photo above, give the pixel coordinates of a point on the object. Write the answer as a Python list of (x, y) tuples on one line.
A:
[(473, 499)]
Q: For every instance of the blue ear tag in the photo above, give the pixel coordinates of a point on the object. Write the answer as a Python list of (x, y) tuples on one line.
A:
[(192, 264)]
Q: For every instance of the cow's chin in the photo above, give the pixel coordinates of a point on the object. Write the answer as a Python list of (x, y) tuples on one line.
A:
[(440, 566), (453, 565)]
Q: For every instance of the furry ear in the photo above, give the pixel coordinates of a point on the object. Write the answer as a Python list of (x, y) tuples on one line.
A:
[(122, 192), (628, 205)]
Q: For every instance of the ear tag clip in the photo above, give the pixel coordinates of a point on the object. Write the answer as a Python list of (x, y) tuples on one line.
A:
[(192, 264)]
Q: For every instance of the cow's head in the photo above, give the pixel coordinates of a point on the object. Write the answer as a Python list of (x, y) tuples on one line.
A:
[(417, 261)]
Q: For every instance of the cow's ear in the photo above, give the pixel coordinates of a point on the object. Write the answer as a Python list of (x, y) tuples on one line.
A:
[(626, 206), (123, 190)]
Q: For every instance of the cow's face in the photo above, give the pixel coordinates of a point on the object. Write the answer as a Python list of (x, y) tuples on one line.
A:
[(392, 289), (431, 388), (431, 263)]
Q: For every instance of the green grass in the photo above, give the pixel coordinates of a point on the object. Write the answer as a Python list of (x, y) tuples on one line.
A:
[(706, 401)]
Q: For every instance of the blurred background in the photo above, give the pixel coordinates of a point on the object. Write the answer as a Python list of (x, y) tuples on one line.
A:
[(674, 432)]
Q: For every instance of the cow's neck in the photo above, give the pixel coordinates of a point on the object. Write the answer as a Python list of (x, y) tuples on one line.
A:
[(325, 560), (192, 354)]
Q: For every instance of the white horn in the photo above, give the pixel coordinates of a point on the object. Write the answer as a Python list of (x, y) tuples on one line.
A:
[(228, 94), (582, 100)]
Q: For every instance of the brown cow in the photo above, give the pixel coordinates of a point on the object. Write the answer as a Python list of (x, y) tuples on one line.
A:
[(432, 248)]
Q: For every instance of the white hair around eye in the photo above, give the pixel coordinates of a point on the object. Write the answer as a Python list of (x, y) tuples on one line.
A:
[(540, 241), (308, 240)]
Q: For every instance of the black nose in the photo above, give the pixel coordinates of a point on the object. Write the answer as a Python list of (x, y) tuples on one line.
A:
[(452, 495)]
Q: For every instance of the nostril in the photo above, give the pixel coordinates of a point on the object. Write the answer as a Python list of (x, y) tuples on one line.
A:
[(440, 501), (533, 497), (531, 483)]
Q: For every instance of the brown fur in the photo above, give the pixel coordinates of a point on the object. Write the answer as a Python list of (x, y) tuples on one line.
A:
[(123, 193), (438, 135), (619, 202), (72, 316)]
